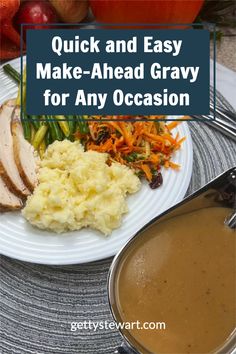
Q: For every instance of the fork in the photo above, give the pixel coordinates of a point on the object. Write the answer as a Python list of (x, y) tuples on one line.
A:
[(224, 121)]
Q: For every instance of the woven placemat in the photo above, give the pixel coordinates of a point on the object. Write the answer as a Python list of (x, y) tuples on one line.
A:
[(38, 303)]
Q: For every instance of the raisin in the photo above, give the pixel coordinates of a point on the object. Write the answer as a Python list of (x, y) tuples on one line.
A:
[(156, 181)]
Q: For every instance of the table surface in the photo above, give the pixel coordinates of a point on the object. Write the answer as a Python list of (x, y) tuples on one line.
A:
[(226, 49)]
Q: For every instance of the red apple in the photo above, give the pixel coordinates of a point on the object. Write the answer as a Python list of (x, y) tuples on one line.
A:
[(36, 13)]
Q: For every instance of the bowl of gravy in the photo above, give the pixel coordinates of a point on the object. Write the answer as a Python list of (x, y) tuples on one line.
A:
[(173, 285)]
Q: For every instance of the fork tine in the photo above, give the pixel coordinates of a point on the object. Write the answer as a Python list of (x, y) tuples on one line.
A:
[(228, 116), (228, 131)]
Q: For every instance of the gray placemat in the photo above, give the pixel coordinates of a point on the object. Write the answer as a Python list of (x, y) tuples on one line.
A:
[(38, 303)]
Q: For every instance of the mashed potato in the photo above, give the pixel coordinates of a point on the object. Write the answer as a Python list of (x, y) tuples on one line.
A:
[(78, 189)]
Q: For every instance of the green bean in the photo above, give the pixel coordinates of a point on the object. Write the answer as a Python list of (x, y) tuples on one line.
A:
[(24, 89), (32, 133), (71, 123), (82, 125), (63, 124), (34, 120), (18, 98), (72, 126), (54, 129), (42, 149), (26, 128), (59, 132), (48, 138), (51, 128), (8, 69), (39, 136), (86, 126)]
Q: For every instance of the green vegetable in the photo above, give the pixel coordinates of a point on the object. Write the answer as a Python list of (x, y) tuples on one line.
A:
[(131, 157), (54, 129), (24, 88), (82, 125), (39, 136), (72, 126), (35, 121), (8, 69), (63, 125), (134, 157), (26, 128), (42, 149), (48, 138), (71, 123), (19, 98), (32, 133), (139, 174)]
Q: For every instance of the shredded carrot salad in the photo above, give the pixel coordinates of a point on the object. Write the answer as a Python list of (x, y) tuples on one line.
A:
[(142, 145)]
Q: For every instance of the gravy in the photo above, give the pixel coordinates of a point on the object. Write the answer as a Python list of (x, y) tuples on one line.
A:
[(181, 272)]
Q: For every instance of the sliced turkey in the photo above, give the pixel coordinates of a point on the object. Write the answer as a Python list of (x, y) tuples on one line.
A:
[(8, 200), (24, 153), (8, 167)]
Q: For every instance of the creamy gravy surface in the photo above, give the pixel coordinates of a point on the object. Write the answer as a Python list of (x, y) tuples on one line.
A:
[(183, 273)]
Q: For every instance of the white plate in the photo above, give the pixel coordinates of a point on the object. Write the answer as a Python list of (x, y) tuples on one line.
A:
[(19, 240)]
